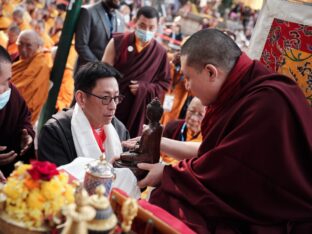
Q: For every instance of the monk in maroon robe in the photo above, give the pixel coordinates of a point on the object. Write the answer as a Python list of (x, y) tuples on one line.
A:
[(145, 68), (16, 132), (253, 170)]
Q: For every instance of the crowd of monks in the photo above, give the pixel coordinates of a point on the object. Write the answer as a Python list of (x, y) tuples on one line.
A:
[(35, 28)]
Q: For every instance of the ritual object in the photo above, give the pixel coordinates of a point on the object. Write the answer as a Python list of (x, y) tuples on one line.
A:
[(99, 172), (105, 219), (148, 147)]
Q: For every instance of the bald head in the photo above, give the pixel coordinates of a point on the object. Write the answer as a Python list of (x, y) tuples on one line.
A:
[(28, 43), (5, 69)]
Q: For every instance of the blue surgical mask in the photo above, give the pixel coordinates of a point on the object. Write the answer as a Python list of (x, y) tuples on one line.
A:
[(4, 98), (143, 35)]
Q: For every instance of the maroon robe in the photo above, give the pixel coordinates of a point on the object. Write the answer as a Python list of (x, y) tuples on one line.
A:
[(14, 117), (150, 67), (253, 173)]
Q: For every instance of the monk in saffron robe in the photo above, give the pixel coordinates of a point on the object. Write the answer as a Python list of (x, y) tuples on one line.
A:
[(176, 96), (252, 172), (187, 129), (16, 132), (13, 33), (31, 74), (18, 18), (48, 43), (144, 64), (66, 92)]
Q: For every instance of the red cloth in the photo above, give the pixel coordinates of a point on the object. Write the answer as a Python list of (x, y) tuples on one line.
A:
[(160, 213), (253, 170), (100, 138), (150, 67)]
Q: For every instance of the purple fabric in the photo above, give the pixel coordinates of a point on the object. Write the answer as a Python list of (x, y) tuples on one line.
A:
[(150, 67), (253, 171)]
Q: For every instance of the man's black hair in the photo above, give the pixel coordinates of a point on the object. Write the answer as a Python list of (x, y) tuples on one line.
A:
[(4, 55), (148, 12), (88, 74), (211, 46)]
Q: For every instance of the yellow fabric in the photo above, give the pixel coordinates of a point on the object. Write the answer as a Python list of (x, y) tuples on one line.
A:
[(3, 39), (180, 95), (24, 26), (49, 24), (8, 8), (56, 37), (5, 22), (72, 57), (32, 78), (66, 92), (169, 160), (138, 45), (47, 41), (298, 66)]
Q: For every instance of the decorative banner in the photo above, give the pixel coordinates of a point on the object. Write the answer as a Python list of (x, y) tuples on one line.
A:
[(282, 40)]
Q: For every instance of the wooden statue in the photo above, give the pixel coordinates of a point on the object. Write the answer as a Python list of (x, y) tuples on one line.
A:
[(148, 148)]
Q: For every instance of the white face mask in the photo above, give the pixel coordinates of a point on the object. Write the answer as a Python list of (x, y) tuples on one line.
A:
[(4, 98), (143, 35)]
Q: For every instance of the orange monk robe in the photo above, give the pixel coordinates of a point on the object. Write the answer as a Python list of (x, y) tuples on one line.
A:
[(66, 92), (32, 79), (3, 39), (47, 41), (13, 51), (24, 26), (56, 37), (180, 94), (8, 8), (12, 48), (49, 24), (72, 56), (5, 22)]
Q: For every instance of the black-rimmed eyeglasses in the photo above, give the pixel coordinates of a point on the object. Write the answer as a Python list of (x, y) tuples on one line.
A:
[(107, 99)]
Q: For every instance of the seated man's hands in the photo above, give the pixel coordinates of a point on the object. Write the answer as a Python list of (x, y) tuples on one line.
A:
[(6, 158), (26, 141), (154, 175)]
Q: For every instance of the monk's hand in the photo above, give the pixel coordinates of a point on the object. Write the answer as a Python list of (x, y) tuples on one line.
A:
[(25, 142), (134, 86), (131, 143), (113, 159), (154, 175), (6, 158), (2, 178)]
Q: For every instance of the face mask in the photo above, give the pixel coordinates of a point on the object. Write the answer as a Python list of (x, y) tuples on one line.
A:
[(143, 35), (4, 98)]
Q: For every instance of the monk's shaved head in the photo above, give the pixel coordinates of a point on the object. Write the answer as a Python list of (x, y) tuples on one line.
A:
[(28, 43)]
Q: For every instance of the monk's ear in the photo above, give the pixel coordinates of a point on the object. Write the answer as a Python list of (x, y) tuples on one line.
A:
[(80, 98), (211, 71)]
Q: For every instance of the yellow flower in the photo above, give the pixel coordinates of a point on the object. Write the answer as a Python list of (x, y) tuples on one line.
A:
[(21, 170), (14, 188), (51, 189), (35, 200)]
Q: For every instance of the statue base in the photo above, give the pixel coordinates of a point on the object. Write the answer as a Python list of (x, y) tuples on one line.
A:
[(139, 173)]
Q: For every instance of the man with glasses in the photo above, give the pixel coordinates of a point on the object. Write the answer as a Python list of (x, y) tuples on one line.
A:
[(89, 128)]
